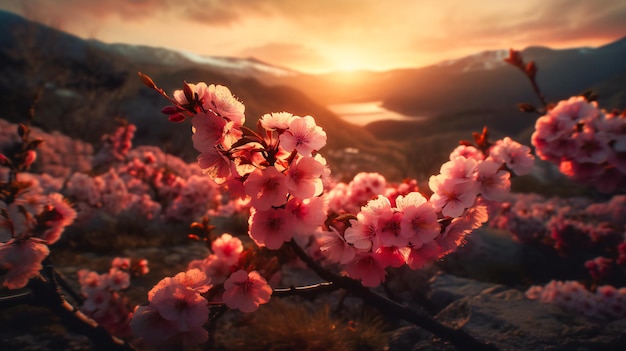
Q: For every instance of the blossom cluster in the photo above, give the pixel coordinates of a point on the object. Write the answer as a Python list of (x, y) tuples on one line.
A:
[(588, 144), (27, 227), (150, 185), (577, 228), (566, 224), (606, 303), (104, 301), (59, 156), (278, 166), (179, 307), (404, 227), (115, 146), (30, 220)]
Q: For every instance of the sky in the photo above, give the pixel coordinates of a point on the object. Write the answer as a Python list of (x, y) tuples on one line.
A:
[(318, 36)]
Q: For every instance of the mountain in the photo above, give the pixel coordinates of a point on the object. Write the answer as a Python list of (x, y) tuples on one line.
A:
[(81, 86), (141, 54), (84, 84)]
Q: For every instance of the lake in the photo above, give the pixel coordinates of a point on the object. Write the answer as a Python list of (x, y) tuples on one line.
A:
[(363, 113)]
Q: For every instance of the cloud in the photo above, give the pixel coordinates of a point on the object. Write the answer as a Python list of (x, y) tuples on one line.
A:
[(320, 32), (541, 23)]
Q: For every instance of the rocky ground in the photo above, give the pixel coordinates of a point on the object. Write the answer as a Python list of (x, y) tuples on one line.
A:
[(478, 302)]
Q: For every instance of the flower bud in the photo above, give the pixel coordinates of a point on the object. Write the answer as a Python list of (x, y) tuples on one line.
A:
[(29, 157)]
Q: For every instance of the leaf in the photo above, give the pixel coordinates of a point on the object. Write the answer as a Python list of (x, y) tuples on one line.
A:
[(345, 217)]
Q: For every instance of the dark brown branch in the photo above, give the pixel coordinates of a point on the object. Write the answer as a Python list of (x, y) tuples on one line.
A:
[(45, 293), (457, 337)]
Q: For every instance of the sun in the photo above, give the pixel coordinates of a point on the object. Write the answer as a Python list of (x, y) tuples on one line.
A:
[(349, 60)]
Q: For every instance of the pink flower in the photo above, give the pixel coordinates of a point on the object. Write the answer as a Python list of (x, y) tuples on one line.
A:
[(389, 228), (63, 216), (90, 281), (575, 109), (185, 307), (391, 256), (22, 259), (303, 135), (220, 100), (194, 279), (467, 152), (304, 177), (363, 232), (267, 188), (494, 182), (366, 268), (419, 220), (460, 169), (516, 156), (592, 147), (199, 90), (208, 131), (271, 227), (418, 257), (276, 120), (308, 214), (215, 164), (459, 228), (122, 263), (118, 280), (451, 197), (335, 247), (227, 247), (148, 324), (97, 300), (214, 267), (246, 291)]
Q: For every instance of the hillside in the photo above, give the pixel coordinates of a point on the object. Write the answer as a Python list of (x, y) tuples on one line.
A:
[(84, 85)]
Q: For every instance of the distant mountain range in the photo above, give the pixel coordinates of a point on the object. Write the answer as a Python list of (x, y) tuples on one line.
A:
[(83, 84)]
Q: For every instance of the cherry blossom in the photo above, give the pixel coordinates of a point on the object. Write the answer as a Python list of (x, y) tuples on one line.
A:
[(267, 187), (246, 291), (303, 135), (494, 182), (419, 220), (367, 268), (271, 228), (516, 156), (334, 246), (276, 121), (451, 197), (227, 247), (303, 178), (22, 260)]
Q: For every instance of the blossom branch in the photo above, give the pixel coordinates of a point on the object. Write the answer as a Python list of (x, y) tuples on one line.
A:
[(457, 337)]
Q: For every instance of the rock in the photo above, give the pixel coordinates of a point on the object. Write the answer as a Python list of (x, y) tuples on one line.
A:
[(488, 255), (446, 288), (506, 318), (412, 338)]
